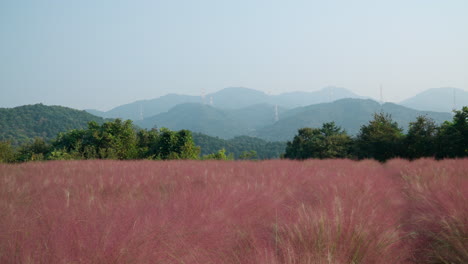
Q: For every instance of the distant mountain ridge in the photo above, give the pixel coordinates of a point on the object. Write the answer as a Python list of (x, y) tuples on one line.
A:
[(234, 115), (147, 108), (206, 119), (438, 99), (259, 121), (350, 114), (227, 98)]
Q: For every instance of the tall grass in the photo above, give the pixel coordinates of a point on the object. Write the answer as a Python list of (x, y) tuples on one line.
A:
[(332, 211), (437, 211)]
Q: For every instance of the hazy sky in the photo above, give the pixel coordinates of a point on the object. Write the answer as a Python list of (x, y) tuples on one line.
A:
[(103, 53)]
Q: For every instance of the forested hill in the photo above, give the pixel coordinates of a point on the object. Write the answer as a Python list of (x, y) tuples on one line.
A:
[(227, 98), (24, 123), (239, 146), (349, 114)]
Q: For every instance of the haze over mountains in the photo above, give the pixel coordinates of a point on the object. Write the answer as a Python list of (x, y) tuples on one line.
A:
[(438, 99), (240, 111), (234, 112), (228, 98), (350, 114)]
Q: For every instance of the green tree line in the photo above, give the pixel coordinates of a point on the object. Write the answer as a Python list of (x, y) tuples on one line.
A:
[(241, 147), (112, 140), (383, 139), (380, 139)]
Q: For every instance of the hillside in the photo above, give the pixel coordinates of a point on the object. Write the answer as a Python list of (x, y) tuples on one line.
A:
[(237, 97), (259, 120), (325, 95), (256, 116), (147, 108), (237, 145), (350, 114), (23, 123), (197, 118), (209, 120), (228, 98), (438, 99)]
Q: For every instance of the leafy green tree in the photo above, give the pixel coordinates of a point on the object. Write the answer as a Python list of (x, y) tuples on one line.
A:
[(70, 145), (185, 145), (238, 145), (7, 153), (248, 155), (381, 139), (119, 140), (119, 136), (35, 151), (330, 141), (420, 139), (220, 155), (452, 137), (111, 140), (166, 144), (147, 143)]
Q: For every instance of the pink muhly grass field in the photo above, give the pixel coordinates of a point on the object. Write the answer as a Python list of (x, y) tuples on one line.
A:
[(331, 211)]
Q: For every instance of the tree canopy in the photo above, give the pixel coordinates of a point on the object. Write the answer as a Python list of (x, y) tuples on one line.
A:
[(327, 142), (380, 139), (383, 139)]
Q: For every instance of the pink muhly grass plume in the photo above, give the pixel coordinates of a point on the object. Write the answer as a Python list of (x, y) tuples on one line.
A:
[(437, 212), (353, 217), (331, 211)]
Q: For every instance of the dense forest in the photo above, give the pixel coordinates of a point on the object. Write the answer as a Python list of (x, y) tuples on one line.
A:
[(380, 139), (383, 139), (122, 140), (24, 123), (241, 147)]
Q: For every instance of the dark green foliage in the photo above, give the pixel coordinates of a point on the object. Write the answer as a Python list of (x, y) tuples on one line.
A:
[(421, 138), (452, 137), (327, 142), (119, 140), (111, 140), (147, 143), (381, 139), (238, 145), (176, 145), (220, 155), (7, 153), (248, 155), (22, 124), (35, 151)]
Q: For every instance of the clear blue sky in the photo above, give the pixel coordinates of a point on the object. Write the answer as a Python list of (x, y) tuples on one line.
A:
[(103, 53)]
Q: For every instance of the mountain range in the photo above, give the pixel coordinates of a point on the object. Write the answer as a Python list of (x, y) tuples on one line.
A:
[(227, 98), (233, 112), (350, 114), (438, 99), (259, 120)]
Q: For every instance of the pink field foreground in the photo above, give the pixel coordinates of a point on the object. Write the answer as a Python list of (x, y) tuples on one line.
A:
[(333, 211)]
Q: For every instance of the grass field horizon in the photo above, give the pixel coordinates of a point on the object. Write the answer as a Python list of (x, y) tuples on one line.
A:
[(277, 211)]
